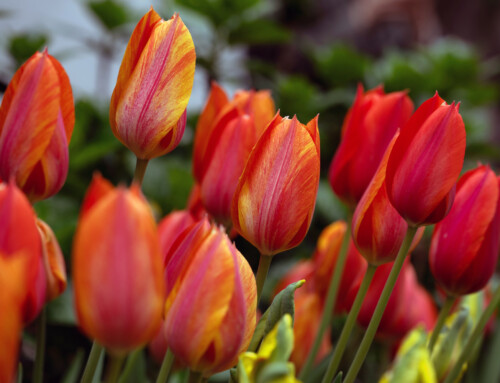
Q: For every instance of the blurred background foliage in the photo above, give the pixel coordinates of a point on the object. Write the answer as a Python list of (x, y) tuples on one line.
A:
[(312, 55)]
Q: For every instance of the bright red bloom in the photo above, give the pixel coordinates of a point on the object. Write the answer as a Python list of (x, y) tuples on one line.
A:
[(425, 163), (368, 128), (36, 122), (276, 194), (148, 106), (464, 247)]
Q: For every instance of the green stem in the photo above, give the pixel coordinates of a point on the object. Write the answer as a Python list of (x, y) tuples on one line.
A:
[(130, 366), (491, 367), (40, 347), (94, 356), (166, 366), (468, 349), (195, 377), (349, 324), (445, 310), (331, 298), (140, 170), (360, 356), (264, 264), (114, 368)]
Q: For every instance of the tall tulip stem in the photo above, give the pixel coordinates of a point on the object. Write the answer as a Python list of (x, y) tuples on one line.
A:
[(40, 347), (360, 356), (331, 299), (468, 349), (445, 310), (349, 324), (114, 368), (195, 377), (140, 170), (94, 356), (166, 366), (262, 270)]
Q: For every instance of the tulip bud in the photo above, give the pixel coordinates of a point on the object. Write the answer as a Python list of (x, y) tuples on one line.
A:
[(170, 228), (275, 197), (211, 301), (147, 110), (464, 246), (377, 228), (117, 271), (96, 190), (19, 235), (368, 128), (36, 122), (425, 163)]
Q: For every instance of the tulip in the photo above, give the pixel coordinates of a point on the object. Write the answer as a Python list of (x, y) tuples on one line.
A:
[(425, 163), (303, 269), (98, 188), (117, 271), (171, 227), (147, 110), (377, 228), (465, 244), (36, 123), (275, 197), (19, 234), (211, 303), (368, 128)]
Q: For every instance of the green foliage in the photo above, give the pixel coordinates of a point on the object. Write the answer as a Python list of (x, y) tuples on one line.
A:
[(258, 31), (112, 14), (218, 12), (22, 46)]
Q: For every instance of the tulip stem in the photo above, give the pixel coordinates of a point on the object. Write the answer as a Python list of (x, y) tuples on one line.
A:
[(140, 170), (114, 368), (468, 349), (40, 347), (491, 367), (94, 356), (166, 366), (445, 310), (264, 264), (195, 377), (331, 299), (349, 324), (360, 356)]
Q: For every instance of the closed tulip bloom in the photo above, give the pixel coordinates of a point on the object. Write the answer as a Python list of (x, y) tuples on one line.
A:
[(464, 246), (276, 194), (425, 163), (19, 235), (117, 271), (377, 228), (368, 128), (36, 122), (98, 188), (147, 110), (170, 228), (211, 301)]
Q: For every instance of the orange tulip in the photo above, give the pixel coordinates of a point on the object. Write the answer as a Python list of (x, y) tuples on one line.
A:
[(36, 123), (117, 271), (368, 128), (425, 163), (19, 235), (147, 110), (211, 301), (274, 201), (170, 228), (97, 189)]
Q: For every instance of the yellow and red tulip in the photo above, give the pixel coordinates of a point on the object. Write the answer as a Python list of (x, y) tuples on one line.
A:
[(368, 128), (148, 106), (464, 246), (211, 300), (117, 271), (36, 123), (274, 201), (425, 163)]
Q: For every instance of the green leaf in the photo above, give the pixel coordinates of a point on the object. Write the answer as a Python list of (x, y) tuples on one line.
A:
[(110, 13), (282, 304), (135, 368), (284, 340), (274, 371), (218, 12), (23, 46), (73, 372), (338, 378), (258, 31)]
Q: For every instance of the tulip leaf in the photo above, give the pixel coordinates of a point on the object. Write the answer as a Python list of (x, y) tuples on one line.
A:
[(23, 46), (135, 368), (338, 378), (258, 31), (274, 371), (282, 304), (110, 13)]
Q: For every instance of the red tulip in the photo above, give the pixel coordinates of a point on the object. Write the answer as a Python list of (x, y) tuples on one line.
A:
[(171, 227), (425, 163), (117, 271), (368, 128), (211, 300), (464, 247), (275, 197), (97, 189), (148, 106), (36, 122)]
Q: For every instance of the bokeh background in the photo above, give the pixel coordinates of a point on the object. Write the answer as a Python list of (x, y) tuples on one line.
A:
[(311, 54)]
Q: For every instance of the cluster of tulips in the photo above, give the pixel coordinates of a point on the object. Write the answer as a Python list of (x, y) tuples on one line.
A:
[(183, 288)]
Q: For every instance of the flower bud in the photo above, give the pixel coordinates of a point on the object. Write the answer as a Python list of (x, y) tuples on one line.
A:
[(148, 106), (36, 122)]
